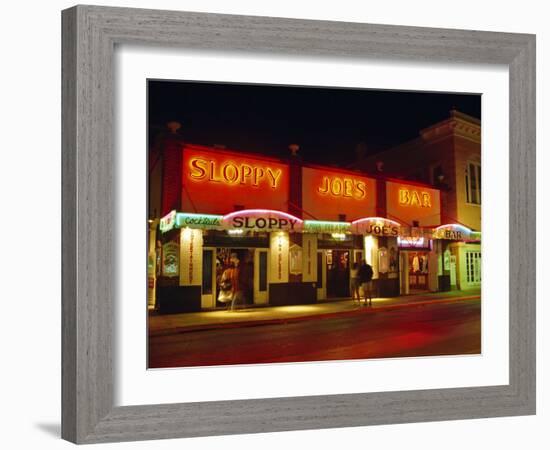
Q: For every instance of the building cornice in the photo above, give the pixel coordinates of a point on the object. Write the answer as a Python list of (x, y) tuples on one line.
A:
[(459, 124)]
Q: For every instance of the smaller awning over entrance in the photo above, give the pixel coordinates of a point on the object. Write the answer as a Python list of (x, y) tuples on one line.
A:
[(456, 232)]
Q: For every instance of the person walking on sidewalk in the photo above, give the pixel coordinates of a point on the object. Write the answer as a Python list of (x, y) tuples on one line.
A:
[(365, 278), (354, 275), (233, 276)]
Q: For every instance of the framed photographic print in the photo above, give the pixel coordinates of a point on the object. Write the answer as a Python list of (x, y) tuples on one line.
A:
[(255, 209)]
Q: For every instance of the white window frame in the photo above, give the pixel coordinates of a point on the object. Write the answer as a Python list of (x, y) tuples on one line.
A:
[(473, 197), (473, 267)]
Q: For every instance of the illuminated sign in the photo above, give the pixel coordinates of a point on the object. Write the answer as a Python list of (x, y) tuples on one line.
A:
[(219, 180), (455, 232), (413, 197), (262, 220), (343, 187), (230, 172), (331, 194), (202, 221), (322, 226), (168, 221), (279, 260), (190, 257), (377, 226), (309, 257), (410, 203)]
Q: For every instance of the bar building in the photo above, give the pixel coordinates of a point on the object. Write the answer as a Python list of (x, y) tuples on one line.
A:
[(294, 227), (446, 155)]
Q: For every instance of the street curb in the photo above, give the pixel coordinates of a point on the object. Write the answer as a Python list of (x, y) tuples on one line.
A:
[(280, 321)]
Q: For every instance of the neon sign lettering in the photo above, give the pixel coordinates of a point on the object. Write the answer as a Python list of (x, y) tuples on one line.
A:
[(262, 220), (379, 230), (229, 172), (262, 223), (377, 226), (411, 197), (343, 187), (455, 232), (205, 221)]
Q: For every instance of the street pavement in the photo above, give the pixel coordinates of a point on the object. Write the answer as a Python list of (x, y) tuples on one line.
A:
[(255, 316), (421, 329)]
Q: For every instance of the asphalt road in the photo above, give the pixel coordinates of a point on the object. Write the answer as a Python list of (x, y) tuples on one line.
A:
[(447, 329)]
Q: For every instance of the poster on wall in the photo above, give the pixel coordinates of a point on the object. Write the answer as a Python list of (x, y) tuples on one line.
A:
[(190, 257), (279, 250), (170, 259), (309, 257)]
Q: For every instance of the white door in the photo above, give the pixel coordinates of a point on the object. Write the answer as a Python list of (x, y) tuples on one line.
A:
[(261, 282), (453, 270)]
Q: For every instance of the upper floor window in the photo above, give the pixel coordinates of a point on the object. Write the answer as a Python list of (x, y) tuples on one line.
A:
[(473, 183), (437, 176)]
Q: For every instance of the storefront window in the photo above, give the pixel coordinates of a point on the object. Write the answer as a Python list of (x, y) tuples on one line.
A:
[(295, 255)]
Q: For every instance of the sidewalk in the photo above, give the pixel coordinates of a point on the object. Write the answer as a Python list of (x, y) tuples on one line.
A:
[(255, 316)]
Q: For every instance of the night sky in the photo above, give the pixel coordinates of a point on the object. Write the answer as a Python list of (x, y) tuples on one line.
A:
[(327, 123)]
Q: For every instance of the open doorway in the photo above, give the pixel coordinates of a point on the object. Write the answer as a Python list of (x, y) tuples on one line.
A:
[(234, 272), (337, 262), (418, 272)]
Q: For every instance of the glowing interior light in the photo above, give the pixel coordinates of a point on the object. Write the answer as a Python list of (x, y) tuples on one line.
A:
[(369, 246), (186, 233), (410, 242), (236, 232), (339, 236)]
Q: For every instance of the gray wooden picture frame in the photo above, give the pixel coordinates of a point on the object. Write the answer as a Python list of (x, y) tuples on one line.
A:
[(90, 34)]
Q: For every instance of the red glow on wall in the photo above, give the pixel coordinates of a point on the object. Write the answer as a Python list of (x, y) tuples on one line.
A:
[(410, 202), (216, 182), (328, 194)]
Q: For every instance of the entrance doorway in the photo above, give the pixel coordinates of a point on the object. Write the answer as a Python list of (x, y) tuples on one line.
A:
[(337, 262), (234, 270), (418, 271)]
